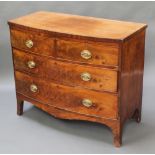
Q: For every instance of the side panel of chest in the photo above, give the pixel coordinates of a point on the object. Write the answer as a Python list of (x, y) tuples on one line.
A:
[(131, 77)]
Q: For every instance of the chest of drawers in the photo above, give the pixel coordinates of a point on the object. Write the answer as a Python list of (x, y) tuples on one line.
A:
[(79, 68)]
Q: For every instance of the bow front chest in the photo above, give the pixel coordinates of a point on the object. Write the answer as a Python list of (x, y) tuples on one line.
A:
[(79, 68)]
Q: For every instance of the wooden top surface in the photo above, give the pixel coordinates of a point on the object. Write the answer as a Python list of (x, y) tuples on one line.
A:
[(79, 25)]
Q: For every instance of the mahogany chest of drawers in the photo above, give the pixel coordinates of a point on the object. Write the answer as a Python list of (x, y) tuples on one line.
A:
[(79, 68)]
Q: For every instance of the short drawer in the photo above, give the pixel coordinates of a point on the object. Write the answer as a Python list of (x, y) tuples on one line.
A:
[(91, 53), (69, 98), (38, 43), (95, 78)]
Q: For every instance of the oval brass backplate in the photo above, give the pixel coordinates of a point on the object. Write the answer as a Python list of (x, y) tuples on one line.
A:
[(29, 43), (87, 102), (85, 54), (33, 88), (85, 76), (31, 64)]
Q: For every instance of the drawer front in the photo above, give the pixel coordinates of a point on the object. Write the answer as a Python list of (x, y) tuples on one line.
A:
[(91, 53), (66, 73), (37, 43), (69, 98)]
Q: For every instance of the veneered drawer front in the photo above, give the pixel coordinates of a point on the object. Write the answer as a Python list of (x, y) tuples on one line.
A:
[(91, 53), (38, 43), (67, 73), (68, 98)]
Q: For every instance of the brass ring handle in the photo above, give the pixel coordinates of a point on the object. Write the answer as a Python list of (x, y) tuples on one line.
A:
[(29, 43), (87, 103), (85, 54), (33, 88), (31, 64), (85, 76)]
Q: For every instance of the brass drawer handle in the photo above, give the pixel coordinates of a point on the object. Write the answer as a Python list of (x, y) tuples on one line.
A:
[(31, 64), (87, 103), (85, 76), (33, 88), (85, 54), (29, 43)]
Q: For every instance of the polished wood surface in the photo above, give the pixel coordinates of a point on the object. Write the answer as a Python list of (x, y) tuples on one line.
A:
[(42, 43), (102, 53), (60, 72), (79, 25), (132, 77), (105, 54), (68, 98), (48, 74), (65, 114)]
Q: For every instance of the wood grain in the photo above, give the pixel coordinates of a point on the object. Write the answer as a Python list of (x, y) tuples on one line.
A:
[(78, 25), (102, 79), (68, 98), (43, 44), (132, 66), (105, 54), (116, 67)]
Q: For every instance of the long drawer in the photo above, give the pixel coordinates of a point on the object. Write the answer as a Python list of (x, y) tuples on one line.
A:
[(69, 98), (95, 78)]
